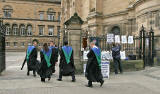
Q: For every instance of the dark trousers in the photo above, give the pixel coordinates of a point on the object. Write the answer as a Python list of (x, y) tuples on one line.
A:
[(117, 65), (73, 75)]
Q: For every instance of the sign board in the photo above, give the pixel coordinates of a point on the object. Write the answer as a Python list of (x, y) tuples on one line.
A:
[(130, 39), (123, 39), (85, 55), (117, 39), (105, 68), (106, 55), (110, 38), (123, 54)]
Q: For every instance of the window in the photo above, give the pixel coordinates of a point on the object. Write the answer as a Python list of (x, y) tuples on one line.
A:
[(8, 29), (29, 30), (50, 14), (50, 17), (7, 10), (22, 44), (50, 30), (22, 30), (41, 30), (15, 29), (41, 15), (15, 44), (7, 44)]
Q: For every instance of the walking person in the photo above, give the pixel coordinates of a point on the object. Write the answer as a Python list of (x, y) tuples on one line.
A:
[(66, 66), (117, 58), (31, 58), (45, 70), (54, 56), (93, 68)]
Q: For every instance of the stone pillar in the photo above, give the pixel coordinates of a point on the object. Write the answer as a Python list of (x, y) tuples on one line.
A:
[(74, 39)]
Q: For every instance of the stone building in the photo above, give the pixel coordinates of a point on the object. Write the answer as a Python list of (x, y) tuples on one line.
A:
[(26, 20), (120, 17)]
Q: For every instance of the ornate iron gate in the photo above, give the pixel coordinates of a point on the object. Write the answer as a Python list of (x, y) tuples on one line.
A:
[(2, 46)]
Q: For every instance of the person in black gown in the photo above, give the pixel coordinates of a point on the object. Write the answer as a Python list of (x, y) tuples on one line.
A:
[(54, 55), (93, 68), (31, 58), (45, 70), (66, 66)]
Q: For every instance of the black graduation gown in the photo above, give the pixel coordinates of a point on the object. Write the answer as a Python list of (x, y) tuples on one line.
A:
[(93, 71), (32, 62), (44, 71), (54, 58), (66, 69)]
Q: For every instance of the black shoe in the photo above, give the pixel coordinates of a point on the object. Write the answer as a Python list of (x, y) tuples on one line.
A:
[(42, 80), (49, 78), (34, 75), (89, 86), (102, 82), (27, 73), (74, 80), (59, 79)]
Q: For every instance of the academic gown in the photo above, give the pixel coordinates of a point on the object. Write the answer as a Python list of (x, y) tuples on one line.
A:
[(67, 67), (93, 68), (45, 70), (32, 58), (54, 57)]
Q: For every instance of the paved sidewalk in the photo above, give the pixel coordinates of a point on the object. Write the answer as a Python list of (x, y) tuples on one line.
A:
[(15, 81)]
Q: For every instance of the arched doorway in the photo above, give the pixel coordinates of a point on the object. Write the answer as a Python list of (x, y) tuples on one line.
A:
[(115, 30)]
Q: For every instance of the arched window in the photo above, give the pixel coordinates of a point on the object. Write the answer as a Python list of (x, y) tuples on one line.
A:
[(51, 14), (7, 10), (15, 29), (8, 29), (29, 30), (22, 29)]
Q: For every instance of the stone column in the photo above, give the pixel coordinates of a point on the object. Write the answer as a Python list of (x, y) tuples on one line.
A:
[(74, 39)]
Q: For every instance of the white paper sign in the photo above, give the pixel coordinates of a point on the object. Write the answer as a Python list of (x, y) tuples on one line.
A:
[(117, 39), (123, 54), (130, 39), (105, 69), (123, 39), (85, 55), (110, 38)]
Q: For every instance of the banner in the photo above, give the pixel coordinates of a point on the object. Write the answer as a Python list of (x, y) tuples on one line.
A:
[(123, 54), (117, 39), (85, 55), (123, 39), (110, 38), (130, 39)]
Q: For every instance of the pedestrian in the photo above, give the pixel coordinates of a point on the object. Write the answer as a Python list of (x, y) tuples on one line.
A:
[(93, 68), (45, 70), (54, 56), (31, 58), (117, 58), (66, 66)]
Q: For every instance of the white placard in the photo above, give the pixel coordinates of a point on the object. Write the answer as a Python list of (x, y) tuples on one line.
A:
[(106, 55), (123, 54), (105, 68), (117, 39), (123, 39), (85, 55), (130, 39), (110, 38)]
